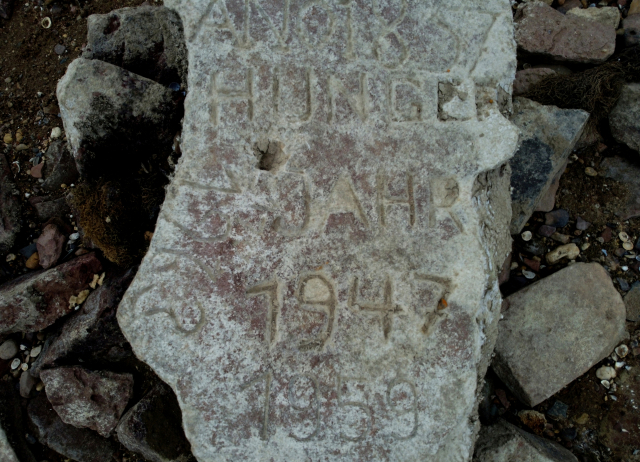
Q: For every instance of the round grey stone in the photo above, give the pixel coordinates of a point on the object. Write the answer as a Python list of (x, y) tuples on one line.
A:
[(8, 350)]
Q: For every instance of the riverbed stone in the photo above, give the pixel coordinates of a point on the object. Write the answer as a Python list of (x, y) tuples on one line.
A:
[(322, 281), (576, 311), (548, 134), (7, 454), (624, 119)]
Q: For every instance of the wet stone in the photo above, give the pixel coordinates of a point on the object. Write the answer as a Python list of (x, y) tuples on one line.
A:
[(303, 293)]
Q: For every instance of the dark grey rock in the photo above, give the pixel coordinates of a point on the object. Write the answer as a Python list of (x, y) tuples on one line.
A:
[(582, 224), (79, 444), (556, 329), (9, 208), (114, 119), (632, 303), (504, 442), (59, 49), (557, 218), (59, 168), (8, 350), (153, 427), (27, 382), (548, 136), (546, 230), (47, 208), (86, 399), (558, 410), (624, 285), (628, 174), (148, 41), (624, 119), (631, 26)]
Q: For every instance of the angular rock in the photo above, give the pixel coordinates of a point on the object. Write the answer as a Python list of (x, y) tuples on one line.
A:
[(526, 79), (34, 301), (153, 427), (114, 119), (309, 248), (92, 332), (632, 303), (86, 399), (79, 444), (624, 119), (50, 245), (47, 208), (548, 135), (548, 200), (631, 26), (543, 31), (627, 173), (27, 382), (60, 167), (504, 442), (608, 16), (556, 329), (9, 208), (7, 454), (148, 41)]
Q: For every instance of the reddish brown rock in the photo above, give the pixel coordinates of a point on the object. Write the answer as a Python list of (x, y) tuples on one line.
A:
[(529, 78), (544, 31), (50, 245), (34, 301), (85, 399)]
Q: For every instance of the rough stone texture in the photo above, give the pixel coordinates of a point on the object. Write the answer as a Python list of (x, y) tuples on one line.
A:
[(548, 135), (153, 427), (548, 200), (632, 303), (608, 16), (624, 119), (114, 119), (9, 208), (309, 249), (85, 399), (34, 301), (544, 31), (59, 168), (27, 382), (504, 442), (79, 444), (12, 421), (526, 79), (148, 41), (631, 25), (50, 245), (92, 332), (628, 173), (577, 312), (47, 208), (7, 453), (8, 349)]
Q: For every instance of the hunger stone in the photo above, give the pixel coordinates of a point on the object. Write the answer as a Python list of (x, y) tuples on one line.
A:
[(322, 281)]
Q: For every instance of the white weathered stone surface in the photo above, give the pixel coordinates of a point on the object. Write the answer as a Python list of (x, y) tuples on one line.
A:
[(7, 453), (322, 281)]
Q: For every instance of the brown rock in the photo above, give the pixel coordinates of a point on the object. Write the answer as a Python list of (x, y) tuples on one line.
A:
[(50, 245), (34, 301), (634, 8), (544, 31), (36, 171), (534, 420), (85, 399), (33, 261), (529, 78)]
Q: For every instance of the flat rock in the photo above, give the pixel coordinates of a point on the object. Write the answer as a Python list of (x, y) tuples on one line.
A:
[(305, 293), (153, 427), (607, 16), (548, 134), (79, 444), (631, 26), (60, 167), (526, 79), (627, 173), (9, 208), (148, 41), (86, 399), (36, 300), (114, 119), (7, 454), (624, 119), (50, 245), (92, 332), (556, 329), (543, 31), (504, 442), (632, 303)]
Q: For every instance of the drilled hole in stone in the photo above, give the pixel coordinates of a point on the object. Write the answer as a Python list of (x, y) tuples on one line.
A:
[(270, 154)]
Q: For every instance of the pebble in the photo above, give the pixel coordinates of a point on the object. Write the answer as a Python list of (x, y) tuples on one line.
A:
[(546, 230), (557, 218), (606, 384), (627, 246), (622, 351), (22, 147), (581, 224), (19, 136), (558, 410), (590, 171), (36, 171), (624, 285), (583, 419), (24, 366), (570, 251), (59, 49), (35, 351), (56, 133), (528, 274), (526, 236), (606, 373), (624, 237), (8, 138), (10, 257), (8, 350), (15, 364), (607, 234), (33, 261), (585, 246), (619, 252), (563, 238)]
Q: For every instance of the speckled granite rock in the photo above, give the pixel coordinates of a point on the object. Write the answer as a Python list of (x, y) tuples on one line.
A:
[(305, 293)]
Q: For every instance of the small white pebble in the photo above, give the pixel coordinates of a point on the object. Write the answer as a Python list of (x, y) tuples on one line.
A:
[(23, 347), (35, 351), (15, 364), (74, 237), (24, 366), (27, 195), (526, 236), (10, 257), (56, 133)]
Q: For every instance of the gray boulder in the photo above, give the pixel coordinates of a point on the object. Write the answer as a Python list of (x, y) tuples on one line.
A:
[(9, 208), (86, 399), (556, 329), (548, 134), (148, 41), (114, 119), (625, 116), (153, 427), (504, 442)]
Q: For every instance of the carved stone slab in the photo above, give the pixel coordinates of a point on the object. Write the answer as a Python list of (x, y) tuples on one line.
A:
[(321, 284)]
